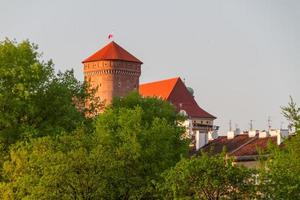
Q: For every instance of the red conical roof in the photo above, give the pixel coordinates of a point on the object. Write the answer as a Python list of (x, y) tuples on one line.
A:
[(112, 51)]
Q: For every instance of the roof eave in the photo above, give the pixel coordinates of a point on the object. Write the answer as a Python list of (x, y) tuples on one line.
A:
[(87, 60)]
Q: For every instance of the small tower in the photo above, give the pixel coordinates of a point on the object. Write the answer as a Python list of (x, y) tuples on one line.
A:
[(113, 70)]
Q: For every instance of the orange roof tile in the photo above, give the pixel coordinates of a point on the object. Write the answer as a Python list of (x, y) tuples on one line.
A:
[(161, 89), (112, 51), (174, 91)]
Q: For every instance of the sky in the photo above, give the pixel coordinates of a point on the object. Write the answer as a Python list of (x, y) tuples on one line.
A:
[(241, 57)]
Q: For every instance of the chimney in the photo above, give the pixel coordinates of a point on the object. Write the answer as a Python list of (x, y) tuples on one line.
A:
[(263, 134), (201, 139), (197, 137), (279, 139), (230, 134), (252, 133), (273, 132), (237, 131), (280, 134)]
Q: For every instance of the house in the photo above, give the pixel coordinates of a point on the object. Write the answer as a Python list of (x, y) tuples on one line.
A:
[(245, 147)]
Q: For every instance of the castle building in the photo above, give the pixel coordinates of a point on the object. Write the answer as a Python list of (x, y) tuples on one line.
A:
[(115, 73)]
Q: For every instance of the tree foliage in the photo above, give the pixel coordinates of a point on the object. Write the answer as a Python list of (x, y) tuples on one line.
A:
[(34, 101), (208, 177), (143, 136), (50, 149), (131, 146), (292, 114), (280, 174)]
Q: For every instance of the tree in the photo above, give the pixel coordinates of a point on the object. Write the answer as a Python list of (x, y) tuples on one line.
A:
[(144, 138), (208, 177), (34, 101), (134, 141), (63, 167), (292, 114), (280, 173)]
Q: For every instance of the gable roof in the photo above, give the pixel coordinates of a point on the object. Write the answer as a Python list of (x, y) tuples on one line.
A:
[(222, 143), (174, 91), (252, 148), (239, 146), (161, 89), (112, 51)]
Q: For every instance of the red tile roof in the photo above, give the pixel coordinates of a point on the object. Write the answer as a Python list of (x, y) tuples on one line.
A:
[(222, 143), (161, 89), (252, 148), (112, 51), (174, 91), (240, 145)]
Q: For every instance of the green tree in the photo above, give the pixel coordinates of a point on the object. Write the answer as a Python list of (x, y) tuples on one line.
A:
[(292, 114), (63, 167), (134, 141), (144, 138), (280, 176), (280, 173), (34, 101), (208, 177)]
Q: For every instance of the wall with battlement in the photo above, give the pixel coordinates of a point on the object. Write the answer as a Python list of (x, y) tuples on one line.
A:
[(112, 78)]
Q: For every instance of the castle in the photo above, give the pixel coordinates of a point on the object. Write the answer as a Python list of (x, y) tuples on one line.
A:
[(115, 73)]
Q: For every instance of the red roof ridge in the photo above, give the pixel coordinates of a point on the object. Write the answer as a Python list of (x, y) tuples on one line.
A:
[(112, 51), (167, 79), (238, 147), (180, 97), (246, 143)]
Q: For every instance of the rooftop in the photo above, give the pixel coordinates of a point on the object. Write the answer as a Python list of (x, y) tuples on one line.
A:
[(239, 146), (161, 89), (174, 91), (112, 51)]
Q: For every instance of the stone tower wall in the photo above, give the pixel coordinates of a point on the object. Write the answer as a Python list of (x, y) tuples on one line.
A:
[(112, 78)]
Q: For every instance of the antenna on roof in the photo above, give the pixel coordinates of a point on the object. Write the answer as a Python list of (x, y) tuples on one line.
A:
[(236, 126), (230, 127), (251, 125), (269, 123), (281, 125)]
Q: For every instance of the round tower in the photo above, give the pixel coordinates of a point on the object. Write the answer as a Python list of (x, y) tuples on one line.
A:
[(113, 71)]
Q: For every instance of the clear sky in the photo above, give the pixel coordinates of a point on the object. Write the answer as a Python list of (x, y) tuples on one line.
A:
[(241, 57)]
